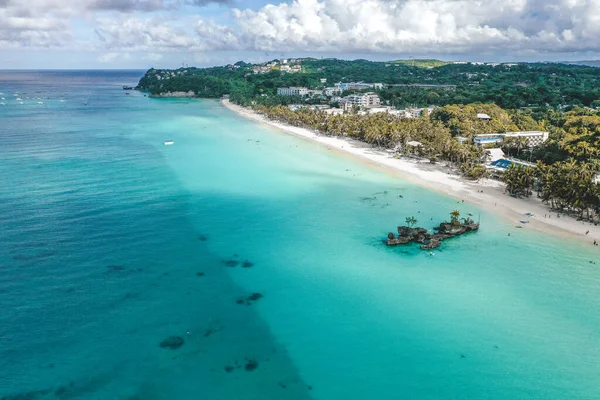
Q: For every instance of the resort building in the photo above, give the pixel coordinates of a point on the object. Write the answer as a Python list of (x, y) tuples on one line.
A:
[(386, 109), (424, 86), (314, 93), (483, 117), (495, 155), (346, 106), (534, 138), (334, 111), (333, 91), (366, 100), (291, 69), (414, 112), (293, 91), (358, 85)]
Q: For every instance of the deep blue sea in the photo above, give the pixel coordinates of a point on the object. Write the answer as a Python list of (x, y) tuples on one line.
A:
[(112, 242)]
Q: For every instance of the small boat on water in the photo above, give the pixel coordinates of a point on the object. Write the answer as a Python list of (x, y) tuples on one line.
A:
[(168, 142), (19, 99)]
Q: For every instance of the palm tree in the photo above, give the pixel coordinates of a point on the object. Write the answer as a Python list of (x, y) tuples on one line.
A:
[(411, 221), (454, 216)]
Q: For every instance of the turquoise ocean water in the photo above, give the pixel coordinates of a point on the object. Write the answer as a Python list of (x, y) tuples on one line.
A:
[(111, 242)]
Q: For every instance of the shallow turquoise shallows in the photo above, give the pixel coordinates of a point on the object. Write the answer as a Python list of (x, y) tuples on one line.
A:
[(112, 243)]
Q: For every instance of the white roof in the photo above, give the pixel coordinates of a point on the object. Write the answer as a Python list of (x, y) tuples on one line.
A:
[(495, 154), (483, 116), (414, 143)]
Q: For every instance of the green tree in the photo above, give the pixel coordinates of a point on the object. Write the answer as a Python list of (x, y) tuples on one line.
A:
[(411, 221), (454, 217)]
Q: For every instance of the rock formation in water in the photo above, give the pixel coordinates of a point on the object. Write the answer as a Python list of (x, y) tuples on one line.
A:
[(445, 230)]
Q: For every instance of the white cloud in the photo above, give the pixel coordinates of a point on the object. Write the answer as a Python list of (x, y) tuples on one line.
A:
[(153, 57), (151, 34), (453, 26), (114, 56), (108, 57), (332, 26)]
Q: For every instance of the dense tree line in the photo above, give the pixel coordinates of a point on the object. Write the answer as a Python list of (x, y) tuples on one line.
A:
[(422, 137)]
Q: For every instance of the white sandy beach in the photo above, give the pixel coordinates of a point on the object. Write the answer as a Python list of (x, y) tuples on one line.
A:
[(437, 178)]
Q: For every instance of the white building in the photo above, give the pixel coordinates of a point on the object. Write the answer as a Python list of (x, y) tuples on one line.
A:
[(534, 138), (261, 69), (358, 85), (483, 117), (293, 91), (334, 111), (494, 155), (332, 91), (346, 106), (379, 110), (417, 112), (365, 100)]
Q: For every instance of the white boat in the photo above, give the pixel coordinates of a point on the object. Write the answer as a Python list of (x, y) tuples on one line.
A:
[(19, 99), (62, 101), (2, 104), (168, 143), (40, 102)]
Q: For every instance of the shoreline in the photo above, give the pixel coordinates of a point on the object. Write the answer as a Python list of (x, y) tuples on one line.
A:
[(488, 194)]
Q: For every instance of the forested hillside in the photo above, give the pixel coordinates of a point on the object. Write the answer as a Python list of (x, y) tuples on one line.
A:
[(509, 86)]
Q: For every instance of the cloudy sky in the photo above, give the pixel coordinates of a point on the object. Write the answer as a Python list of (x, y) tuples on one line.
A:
[(167, 33)]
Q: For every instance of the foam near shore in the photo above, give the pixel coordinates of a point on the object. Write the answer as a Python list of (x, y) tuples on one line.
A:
[(488, 193)]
